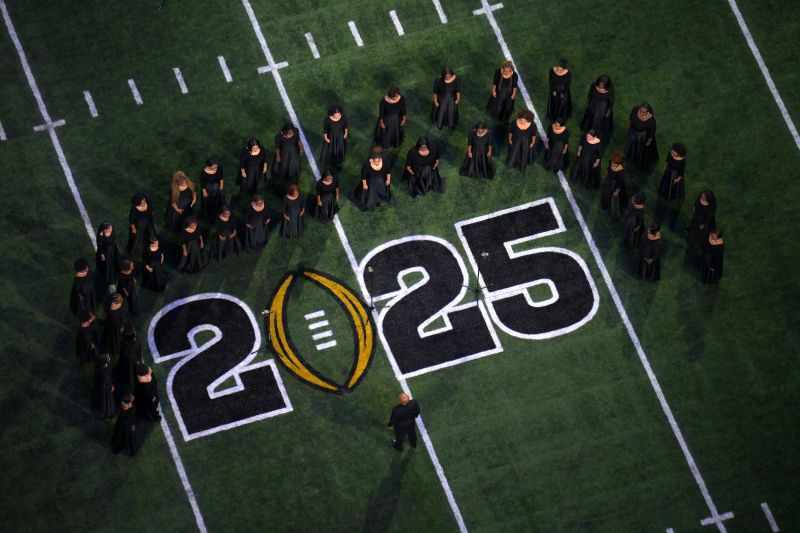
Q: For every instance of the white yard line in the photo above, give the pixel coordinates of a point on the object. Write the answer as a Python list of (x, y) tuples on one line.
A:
[(438, 5), (135, 92), (90, 102), (320, 324), (323, 335), (773, 525), (325, 345), (181, 83), (765, 72), (89, 229), (356, 35), (224, 66), (354, 264), (2, 133), (312, 45), (715, 518), (315, 314), (396, 21)]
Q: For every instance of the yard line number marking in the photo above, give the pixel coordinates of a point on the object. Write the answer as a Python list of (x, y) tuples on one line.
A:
[(356, 35), (312, 45), (773, 525), (397, 25)]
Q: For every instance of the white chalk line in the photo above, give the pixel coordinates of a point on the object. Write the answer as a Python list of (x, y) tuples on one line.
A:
[(317, 325), (137, 97), (356, 35), (2, 133), (396, 21), (440, 11), (325, 345), (717, 519), (773, 525), (225, 71), (50, 125), (765, 72), (315, 314), (353, 263), (90, 102), (312, 45), (89, 228), (487, 9), (181, 82), (270, 67)]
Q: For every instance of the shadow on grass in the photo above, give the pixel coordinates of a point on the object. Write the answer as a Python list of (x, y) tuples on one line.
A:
[(383, 504)]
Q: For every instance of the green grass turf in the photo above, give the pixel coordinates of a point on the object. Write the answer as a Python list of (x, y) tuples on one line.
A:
[(564, 434)]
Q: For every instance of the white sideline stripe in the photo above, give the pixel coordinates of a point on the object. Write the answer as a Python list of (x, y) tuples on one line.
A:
[(483, 10), (325, 345), (354, 264), (715, 517), (50, 125), (315, 314), (224, 66), (356, 35), (89, 229), (90, 102), (765, 72), (181, 83), (268, 68), (312, 45), (324, 334), (2, 133), (771, 519), (438, 5), (135, 92), (397, 25), (317, 325), (670, 530), (51, 131)]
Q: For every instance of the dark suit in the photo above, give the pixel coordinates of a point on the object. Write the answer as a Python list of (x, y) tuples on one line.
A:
[(402, 421)]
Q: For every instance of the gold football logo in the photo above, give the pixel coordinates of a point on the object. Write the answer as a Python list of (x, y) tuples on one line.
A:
[(360, 318)]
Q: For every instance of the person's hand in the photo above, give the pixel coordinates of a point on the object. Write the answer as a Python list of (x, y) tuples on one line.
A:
[(615, 193), (133, 230), (102, 257), (302, 212), (596, 163), (222, 237), (185, 253), (494, 93), (388, 181), (647, 142), (403, 122), (319, 202), (383, 126), (554, 93), (205, 193), (364, 186), (248, 226), (327, 140), (149, 268)]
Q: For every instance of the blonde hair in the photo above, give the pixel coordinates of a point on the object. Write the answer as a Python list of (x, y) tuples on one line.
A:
[(507, 64), (177, 178)]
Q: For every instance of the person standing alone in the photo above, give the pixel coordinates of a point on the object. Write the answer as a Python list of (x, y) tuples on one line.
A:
[(402, 420)]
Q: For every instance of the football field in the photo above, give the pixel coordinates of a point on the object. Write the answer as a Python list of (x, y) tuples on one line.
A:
[(566, 396)]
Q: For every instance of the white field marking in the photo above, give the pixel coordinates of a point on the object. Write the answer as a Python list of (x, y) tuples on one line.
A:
[(670, 530), (356, 35), (765, 72), (354, 264), (181, 83), (322, 335), (315, 314), (194, 350), (312, 45), (716, 519), (438, 5), (492, 296), (2, 133), (269, 68), (50, 125), (90, 102), (771, 519), (135, 92), (317, 325), (76, 195), (225, 71), (325, 345), (397, 25), (701, 484), (487, 8)]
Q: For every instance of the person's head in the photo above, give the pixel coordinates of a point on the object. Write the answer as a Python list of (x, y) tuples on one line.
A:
[(103, 358), (81, 266), (142, 369), (715, 234), (481, 127), (115, 300), (639, 198), (335, 111), (507, 67), (154, 243), (618, 157), (448, 73), (257, 200), (127, 266), (327, 176), (212, 163), (403, 397), (562, 63), (292, 190), (526, 115), (129, 332), (603, 82), (86, 318), (127, 401), (679, 149), (105, 229), (393, 92), (708, 196), (376, 154), (559, 122), (190, 224), (253, 143), (287, 128), (591, 135), (139, 201), (422, 144), (653, 229), (224, 212), (646, 109)]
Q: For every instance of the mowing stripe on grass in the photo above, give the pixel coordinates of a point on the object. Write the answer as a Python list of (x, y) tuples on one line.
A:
[(2, 133), (438, 5), (773, 525), (356, 35), (181, 83), (353, 262), (187, 487), (397, 25), (715, 517), (312, 45), (90, 102), (137, 97), (224, 66), (765, 72)]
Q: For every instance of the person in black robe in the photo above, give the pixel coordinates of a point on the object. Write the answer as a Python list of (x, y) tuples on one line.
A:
[(141, 225), (403, 422), (103, 387), (391, 126), (154, 277), (673, 185), (107, 259), (634, 221), (334, 138), (226, 241), (116, 314), (640, 144), (587, 166), (559, 101), (599, 114), (614, 191), (82, 296), (446, 96), (192, 246), (256, 224), (126, 286), (703, 219), (288, 150), (212, 188), (294, 208), (648, 259), (130, 355), (181, 201), (86, 347), (504, 92), (375, 186), (126, 436), (478, 161), (713, 250), (521, 139), (327, 197), (422, 169), (252, 176), (146, 395), (556, 154)]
